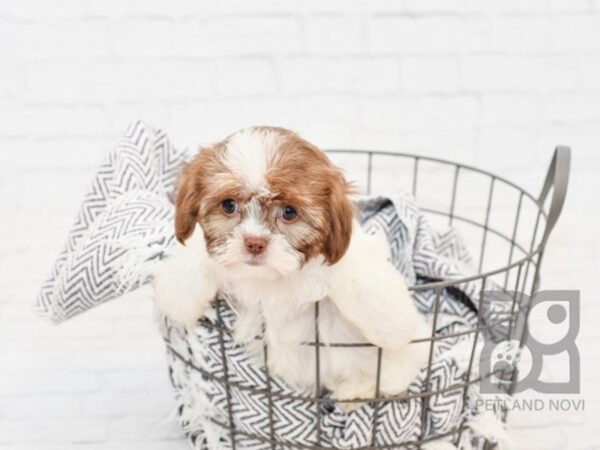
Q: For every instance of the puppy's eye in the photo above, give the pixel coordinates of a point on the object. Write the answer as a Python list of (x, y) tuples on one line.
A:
[(229, 206), (289, 213)]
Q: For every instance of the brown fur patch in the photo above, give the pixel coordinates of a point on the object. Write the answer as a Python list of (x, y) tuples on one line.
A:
[(303, 176)]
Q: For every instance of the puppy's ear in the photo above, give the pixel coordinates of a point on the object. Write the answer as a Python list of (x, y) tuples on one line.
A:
[(340, 214), (193, 184), (186, 204)]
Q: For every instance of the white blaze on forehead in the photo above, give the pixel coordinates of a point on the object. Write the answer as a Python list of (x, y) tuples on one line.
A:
[(248, 153), (253, 223)]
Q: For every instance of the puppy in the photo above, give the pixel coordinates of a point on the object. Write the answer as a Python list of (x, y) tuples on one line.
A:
[(266, 218)]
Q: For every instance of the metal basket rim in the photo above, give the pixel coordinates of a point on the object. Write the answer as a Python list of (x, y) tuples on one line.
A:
[(529, 254)]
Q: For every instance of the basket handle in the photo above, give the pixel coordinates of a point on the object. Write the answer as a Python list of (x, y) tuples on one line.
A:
[(557, 178)]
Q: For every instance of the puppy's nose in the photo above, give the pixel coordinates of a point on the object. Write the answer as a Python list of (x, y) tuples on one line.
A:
[(255, 245)]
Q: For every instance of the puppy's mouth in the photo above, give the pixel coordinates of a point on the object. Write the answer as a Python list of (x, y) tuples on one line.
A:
[(253, 260)]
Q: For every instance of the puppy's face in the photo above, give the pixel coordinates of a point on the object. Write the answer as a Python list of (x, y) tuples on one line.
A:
[(268, 202)]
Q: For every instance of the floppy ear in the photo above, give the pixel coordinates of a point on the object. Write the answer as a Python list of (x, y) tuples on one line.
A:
[(186, 205), (340, 212), (192, 187)]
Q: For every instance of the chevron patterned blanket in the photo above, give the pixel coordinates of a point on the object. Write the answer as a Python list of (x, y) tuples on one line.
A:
[(125, 226)]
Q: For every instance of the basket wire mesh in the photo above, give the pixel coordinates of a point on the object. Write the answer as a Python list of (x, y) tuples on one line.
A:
[(518, 276)]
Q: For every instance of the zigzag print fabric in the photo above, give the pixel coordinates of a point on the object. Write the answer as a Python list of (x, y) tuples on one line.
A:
[(124, 224)]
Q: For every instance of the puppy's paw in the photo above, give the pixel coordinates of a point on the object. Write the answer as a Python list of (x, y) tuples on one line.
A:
[(353, 391), (182, 300), (185, 282)]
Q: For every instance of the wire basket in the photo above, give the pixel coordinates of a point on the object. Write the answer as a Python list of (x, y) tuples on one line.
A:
[(506, 229)]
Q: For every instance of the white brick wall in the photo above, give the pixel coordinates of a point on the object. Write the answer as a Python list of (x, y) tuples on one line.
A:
[(492, 83)]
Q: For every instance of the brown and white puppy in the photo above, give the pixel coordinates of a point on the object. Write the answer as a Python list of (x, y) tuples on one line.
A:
[(266, 218)]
